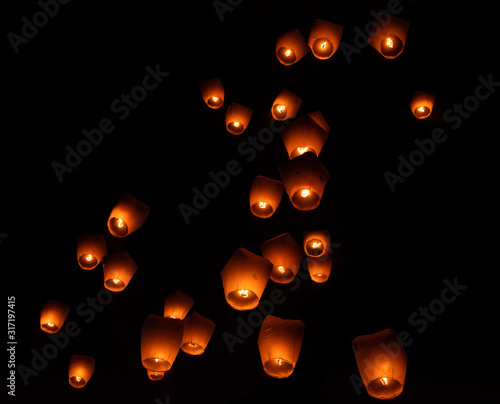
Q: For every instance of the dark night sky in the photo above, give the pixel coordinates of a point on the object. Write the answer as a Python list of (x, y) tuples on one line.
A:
[(396, 248)]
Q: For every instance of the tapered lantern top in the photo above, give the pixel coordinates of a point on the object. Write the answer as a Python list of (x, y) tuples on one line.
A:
[(81, 369), (90, 249), (265, 196), (53, 316), (237, 118), (177, 305), (291, 47), (118, 269), (303, 135), (324, 38), (212, 92), (421, 104), (286, 105), (286, 256), (197, 332), (389, 39), (127, 216)]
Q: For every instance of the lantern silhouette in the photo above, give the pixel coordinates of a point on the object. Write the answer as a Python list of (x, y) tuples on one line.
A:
[(286, 256), (244, 278), (155, 375), (320, 268), (324, 38), (53, 315), (197, 333), (177, 305), (89, 250), (389, 39), (279, 342), (286, 105), (265, 196), (118, 269), (381, 360), (212, 92), (304, 178), (421, 104), (161, 339), (291, 47), (316, 243), (81, 369), (127, 216), (303, 135), (237, 118)]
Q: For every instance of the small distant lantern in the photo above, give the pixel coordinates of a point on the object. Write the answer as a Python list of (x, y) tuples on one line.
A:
[(155, 375), (127, 216), (212, 92), (421, 104), (53, 315), (197, 333), (390, 39), (81, 369), (161, 339), (89, 250), (304, 178), (324, 38), (291, 47), (244, 278), (237, 118), (286, 256), (279, 343), (381, 360), (177, 305), (303, 135), (317, 243), (286, 105), (265, 196), (118, 269), (320, 268)]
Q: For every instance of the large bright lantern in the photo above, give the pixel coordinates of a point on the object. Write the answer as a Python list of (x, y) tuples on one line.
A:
[(421, 104), (291, 47), (265, 196), (286, 105), (286, 256), (53, 316), (324, 38), (237, 118), (118, 269), (304, 135), (81, 369), (389, 39), (89, 250)]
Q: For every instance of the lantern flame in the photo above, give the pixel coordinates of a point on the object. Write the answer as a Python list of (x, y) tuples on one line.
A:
[(215, 99), (384, 381), (89, 257), (288, 52), (278, 361), (281, 269), (316, 244), (420, 109), (305, 193), (243, 293), (302, 150), (50, 324), (280, 108), (236, 124), (116, 281), (262, 205), (323, 46), (78, 378), (120, 223), (389, 42)]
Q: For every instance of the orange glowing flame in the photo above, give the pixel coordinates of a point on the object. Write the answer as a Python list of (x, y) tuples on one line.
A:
[(50, 324), (243, 292), (262, 205), (305, 193), (116, 281), (323, 45), (278, 361), (78, 378), (384, 381), (215, 99), (302, 150), (389, 42), (89, 257), (316, 244), (420, 109), (288, 52), (281, 269), (120, 223), (236, 124)]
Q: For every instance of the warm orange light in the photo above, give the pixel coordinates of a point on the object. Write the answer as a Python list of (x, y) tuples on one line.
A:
[(389, 42), (118, 269), (237, 118), (155, 375), (288, 52), (319, 268), (286, 105), (291, 47), (285, 254), (305, 193), (421, 104), (265, 196), (389, 39), (324, 38), (212, 92), (127, 216), (81, 369), (53, 315), (316, 243), (89, 250), (197, 333), (177, 305), (243, 293), (308, 133), (263, 205), (50, 324)]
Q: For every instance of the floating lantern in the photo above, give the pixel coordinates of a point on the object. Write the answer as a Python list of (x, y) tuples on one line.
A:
[(291, 47), (177, 305), (90, 249), (127, 216), (303, 135), (286, 256), (324, 38), (197, 333), (320, 268), (244, 278), (53, 315), (390, 39), (279, 342), (286, 105), (81, 369), (212, 92), (155, 375), (118, 269), (421, 104), (316, 243), (320, 120), (265, 196), (381, 360), (237, 118)]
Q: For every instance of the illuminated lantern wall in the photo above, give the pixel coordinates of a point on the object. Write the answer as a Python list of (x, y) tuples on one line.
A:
[(155, 375), (118, 269), (90, 249), (177, 305), (286, 256), (53, 315), (303, 135), (279, 342), (244, 278), (390, 39), (197, 333), (381, 361), (127, 216), (237, 118), (81, 369), (421, 104), (291, 47), (212, 92), (316, 243), (324, 38), (286, 105), (265, 196), (320, 268)]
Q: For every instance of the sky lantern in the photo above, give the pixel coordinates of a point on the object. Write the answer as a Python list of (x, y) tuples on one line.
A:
[(244, 278), (320, 268), (265, 196), (421, 104), (324, 38), (161, 339), (155, 375), (320, 120), (303, 135), (53, 315), (177, 305), (286, 105), (237, 118), (316, 243), (81, 369), (212, 92), (291, 47), (90, 249), (279, 342), (118, 269), (197, 333), (304, 178), (127, 216), (286, 256), (381, 360), (390, 39)]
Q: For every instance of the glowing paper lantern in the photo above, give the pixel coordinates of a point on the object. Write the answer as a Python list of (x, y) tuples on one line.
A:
[(316, 243), (286, 256), (118, 269), (265, 196), (421, 104), (286, 105), (81, 369), (320, 268), (324, 38), (291, 47), (127, 216), (389, 39), (212, 92), (304, 178), (320, 120), (237, 118), (303, 135), (244, 278), (90, 249), (161, 340), (279, 342), (197, 333), (155, 375), (177, 305), (381, 360), (53, 316)]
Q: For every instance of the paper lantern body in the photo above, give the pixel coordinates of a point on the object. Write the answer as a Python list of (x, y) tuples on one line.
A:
[(286, 256), (381, 361), (244, 278), (53, 315), (279, 343), (89, 250), (324, 38), (237, 118), (161, 339), (81, 369), (118, 269), (286, 105), (316, 243), (320, 120), (291, 47), (155, 375), (320, 268), (303, 135), (127, 216), (265, 196), (177, 305), (212, 92), (390, 39), (421, 104), (304, 178), (197, 333)]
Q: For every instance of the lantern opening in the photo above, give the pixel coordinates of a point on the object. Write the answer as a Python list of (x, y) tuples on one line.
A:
[(314, 247), (391, 46), (279, 368), (242, 299), (50, 327), (235, 128), (422, 112), (286, 55), (322, 48), (156, 364), (114, 284), (214, 102), (118, 227), (155, 376), (305, 199), (77, 381), (279, 112), (301, 150), (87, 261), (262, 209), (192, 348), (282, 274), (384, 388)]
